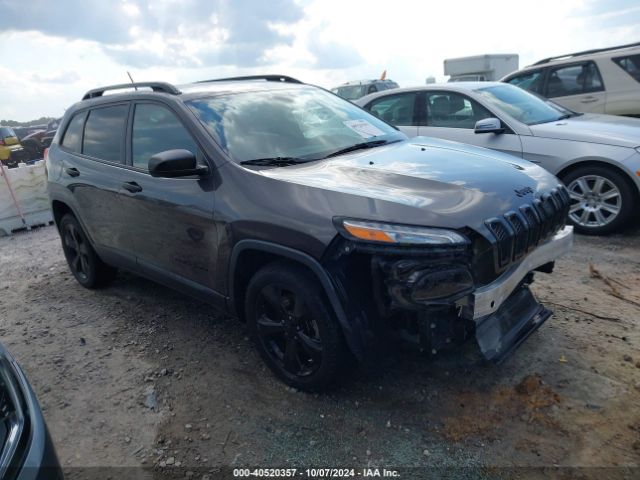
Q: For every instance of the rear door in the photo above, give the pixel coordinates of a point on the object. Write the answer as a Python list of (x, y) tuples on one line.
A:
[(94, 170), (577, 86), (397, 109), (453, 116), (170, 219)]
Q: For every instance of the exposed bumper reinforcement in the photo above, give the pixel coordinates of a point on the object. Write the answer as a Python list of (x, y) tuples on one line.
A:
[(488, 299), (501, 333)]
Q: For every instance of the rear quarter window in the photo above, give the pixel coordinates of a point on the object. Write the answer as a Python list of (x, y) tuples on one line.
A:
[(104, 133), (630, 64), (73, 136)]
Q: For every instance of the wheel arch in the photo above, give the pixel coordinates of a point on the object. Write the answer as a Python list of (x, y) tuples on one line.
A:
[(600, 163), (249, 256), (60, 208)]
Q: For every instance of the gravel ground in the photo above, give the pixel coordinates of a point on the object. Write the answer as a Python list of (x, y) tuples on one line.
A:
[(136, 375)]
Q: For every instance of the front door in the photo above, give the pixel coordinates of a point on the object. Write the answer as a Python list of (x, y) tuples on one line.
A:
[(170, 219), (453, 116), (577, 87)]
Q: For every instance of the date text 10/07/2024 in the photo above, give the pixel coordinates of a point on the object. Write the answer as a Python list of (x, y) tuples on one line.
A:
[(315, 473)]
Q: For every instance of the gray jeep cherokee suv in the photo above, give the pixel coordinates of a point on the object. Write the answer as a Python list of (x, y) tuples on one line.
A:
[(322, 227)]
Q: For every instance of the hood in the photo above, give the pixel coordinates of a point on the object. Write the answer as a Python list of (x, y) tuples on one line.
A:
[(436, 176), (593, 128)]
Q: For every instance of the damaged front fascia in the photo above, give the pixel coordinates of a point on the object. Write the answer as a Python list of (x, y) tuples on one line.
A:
[(414, 278), (376, 282)]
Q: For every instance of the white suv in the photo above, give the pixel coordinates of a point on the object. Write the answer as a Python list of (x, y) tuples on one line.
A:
[(605, 80)]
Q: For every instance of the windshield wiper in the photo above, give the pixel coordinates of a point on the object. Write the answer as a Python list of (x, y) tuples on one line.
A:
[(360, 146), (274, 161)]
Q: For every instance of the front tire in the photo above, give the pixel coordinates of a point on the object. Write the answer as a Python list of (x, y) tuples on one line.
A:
[(84, 263), (294, 328), (601, 199)]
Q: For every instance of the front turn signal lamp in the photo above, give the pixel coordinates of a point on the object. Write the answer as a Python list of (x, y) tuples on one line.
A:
[(399, 234)]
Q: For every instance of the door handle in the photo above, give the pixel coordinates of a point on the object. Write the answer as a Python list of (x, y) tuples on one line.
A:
[(72, 172), (132, 187), (589, 99)]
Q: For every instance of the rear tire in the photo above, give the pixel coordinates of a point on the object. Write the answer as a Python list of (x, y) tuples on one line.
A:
[(294, 327), (84, 263), (601, 199)]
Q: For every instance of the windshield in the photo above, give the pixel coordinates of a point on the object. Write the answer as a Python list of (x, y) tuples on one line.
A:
[(351, 92), (521, 105), (305, 123)]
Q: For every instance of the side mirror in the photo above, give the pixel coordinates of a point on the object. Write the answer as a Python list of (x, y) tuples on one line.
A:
[(489, 125), (175, 163)]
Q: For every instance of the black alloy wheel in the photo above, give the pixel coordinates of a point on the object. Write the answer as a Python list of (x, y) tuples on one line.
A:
[(294, 328), (84, 263), (77, 251), (288, 332)]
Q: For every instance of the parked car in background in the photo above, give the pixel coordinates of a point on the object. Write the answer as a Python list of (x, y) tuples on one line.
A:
[(359, 88), (26, 450), (324, 228), (22, 132), (11, 152), (596, 156), (605, 80), (36, 142)]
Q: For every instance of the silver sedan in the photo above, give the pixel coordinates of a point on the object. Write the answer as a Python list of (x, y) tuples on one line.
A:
[(596, 156)]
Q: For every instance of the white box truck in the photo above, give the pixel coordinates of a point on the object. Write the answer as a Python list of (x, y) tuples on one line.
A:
[(481, 68)]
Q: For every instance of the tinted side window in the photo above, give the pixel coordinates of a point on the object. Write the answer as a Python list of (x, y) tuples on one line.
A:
[(156, 129), (73, 135), (630, 64), (104, 133), (531, 81), (395, 109), (574, 80), (452, 110)]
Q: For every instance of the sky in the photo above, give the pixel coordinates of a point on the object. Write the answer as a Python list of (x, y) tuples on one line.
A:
[(53, 52)]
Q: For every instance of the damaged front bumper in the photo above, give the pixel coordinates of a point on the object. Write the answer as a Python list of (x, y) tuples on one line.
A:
[(505, 312), (488, 299), (431, 297)]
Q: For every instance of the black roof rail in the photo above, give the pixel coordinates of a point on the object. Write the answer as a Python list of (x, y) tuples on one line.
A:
[(268, 78), (155, 86), (586, 52)]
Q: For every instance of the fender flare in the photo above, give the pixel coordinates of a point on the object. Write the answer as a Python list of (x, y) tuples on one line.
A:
[(352, 337), (72, 209)]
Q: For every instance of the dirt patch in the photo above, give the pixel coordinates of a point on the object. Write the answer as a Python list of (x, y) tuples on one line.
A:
[(566, 397), (484, 412)]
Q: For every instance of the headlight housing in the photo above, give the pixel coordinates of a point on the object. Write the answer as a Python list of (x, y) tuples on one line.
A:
[(394, 234)]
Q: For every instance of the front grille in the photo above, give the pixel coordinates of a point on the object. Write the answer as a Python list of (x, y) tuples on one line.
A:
[(518, 232), (504, 241)]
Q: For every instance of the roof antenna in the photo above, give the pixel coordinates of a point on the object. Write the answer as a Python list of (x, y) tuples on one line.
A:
[(131, 78)]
